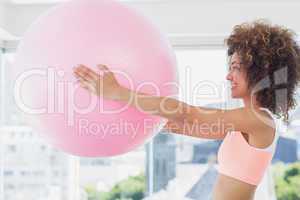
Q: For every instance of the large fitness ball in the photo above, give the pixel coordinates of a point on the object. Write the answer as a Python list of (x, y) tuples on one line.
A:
[(91, 32)]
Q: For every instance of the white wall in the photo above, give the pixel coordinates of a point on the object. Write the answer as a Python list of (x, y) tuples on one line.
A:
[(2, 24), (2, 14), (186, 17), (19, 17), (7, 40)]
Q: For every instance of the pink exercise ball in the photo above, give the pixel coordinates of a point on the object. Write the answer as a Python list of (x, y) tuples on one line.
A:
[(91, 32)]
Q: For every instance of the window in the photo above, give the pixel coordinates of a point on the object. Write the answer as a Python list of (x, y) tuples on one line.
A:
[(168, 167), (171, 165), (25, 159), (173, 155), (180, 161)]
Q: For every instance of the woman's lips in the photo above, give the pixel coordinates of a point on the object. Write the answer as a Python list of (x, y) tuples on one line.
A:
[(233, 86)]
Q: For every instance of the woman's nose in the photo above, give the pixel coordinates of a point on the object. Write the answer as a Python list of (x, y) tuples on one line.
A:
[(229, 76)]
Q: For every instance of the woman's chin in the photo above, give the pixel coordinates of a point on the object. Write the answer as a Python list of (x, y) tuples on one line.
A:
[(234, 96)]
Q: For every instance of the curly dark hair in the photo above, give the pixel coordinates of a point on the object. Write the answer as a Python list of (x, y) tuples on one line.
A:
[(271, 56)]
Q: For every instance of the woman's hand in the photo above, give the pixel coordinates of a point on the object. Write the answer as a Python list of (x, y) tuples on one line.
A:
[(105, 84)]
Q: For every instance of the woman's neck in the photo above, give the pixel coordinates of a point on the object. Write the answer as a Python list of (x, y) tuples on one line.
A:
[(251, 103)]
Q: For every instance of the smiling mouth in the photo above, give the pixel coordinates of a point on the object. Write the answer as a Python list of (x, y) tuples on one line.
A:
[(233, 86)]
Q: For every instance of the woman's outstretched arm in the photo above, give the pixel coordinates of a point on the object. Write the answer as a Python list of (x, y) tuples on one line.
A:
[(206, 121), (194, 129)]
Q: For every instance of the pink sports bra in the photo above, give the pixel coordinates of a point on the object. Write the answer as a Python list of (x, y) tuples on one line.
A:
[(238, 159)]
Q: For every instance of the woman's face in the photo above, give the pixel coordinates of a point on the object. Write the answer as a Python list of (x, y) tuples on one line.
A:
[(237, 77)]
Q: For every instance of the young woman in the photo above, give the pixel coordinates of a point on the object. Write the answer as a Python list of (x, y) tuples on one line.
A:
[(264, 71)]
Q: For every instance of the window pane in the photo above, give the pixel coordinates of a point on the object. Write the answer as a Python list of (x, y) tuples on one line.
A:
[(13, 116), (30, 168), (181, 163), (202, 75), (120, 176), (171, 165)]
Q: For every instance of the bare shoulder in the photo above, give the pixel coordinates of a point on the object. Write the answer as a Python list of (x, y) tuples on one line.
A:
[(263, 136), (250, 121)]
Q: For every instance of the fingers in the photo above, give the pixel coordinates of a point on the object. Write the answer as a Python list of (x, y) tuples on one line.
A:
[(81, 73), (103, 68), (85, 73), (85, 84)]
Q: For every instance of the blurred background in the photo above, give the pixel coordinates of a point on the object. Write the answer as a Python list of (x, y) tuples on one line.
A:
[(169, 166)]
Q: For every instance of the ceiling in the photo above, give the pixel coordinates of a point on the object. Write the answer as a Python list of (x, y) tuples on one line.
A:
[(31, 1), (153, 1)]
